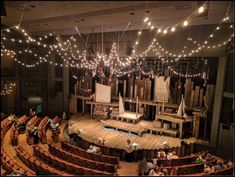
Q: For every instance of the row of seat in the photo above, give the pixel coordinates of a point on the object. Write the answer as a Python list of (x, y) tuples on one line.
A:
[(14, 136), (11, 165), (34, 122), (180, 161), (15, 130), (188, 169), (137, 154), (37, 165), (77, 159), (42, 128), (55, 134), (5, 125), (227, 171), (95, 157), (64, 165)]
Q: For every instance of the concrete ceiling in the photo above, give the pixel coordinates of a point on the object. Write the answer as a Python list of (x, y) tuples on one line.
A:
[(42, 17)]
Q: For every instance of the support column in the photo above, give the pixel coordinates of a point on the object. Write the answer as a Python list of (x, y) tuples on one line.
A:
[(65, 87), (218, 100)]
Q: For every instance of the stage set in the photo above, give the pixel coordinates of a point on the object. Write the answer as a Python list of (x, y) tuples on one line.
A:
[(104, 116)]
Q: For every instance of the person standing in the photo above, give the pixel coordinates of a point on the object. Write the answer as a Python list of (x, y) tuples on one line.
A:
[(129, 150)]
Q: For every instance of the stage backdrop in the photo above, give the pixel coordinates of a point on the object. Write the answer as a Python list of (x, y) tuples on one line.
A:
[(102, 93), (161, 88)]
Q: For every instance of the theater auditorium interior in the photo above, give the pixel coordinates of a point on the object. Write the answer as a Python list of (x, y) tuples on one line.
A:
[(117, 88)]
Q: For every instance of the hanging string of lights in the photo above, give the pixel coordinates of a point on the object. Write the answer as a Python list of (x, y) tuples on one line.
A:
[(7, 88)]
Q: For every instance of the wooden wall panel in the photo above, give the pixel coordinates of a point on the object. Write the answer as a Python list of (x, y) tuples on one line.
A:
[(196, 96)]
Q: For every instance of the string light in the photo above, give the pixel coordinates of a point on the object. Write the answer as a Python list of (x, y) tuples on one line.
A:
[(201, 10), (7, 88), (185, 23)]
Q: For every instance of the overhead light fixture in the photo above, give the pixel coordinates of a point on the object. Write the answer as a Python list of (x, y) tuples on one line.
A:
[(159, 30), (165, 31), (173, 29)]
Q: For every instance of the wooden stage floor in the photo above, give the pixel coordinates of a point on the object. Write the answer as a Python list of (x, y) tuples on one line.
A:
[(93, 129)]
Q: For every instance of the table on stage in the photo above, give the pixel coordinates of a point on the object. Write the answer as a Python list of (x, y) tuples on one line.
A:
[(175, 120)]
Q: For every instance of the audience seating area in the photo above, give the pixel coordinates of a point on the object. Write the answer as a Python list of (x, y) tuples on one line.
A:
[(37, 165), (82, 160), (63, 165), (10, 165), (67, 159), (95, 157)]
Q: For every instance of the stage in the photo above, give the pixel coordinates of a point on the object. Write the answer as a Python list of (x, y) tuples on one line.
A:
[(93, 129)]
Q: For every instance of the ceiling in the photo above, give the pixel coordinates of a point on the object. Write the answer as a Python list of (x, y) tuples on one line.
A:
[(42, 17)]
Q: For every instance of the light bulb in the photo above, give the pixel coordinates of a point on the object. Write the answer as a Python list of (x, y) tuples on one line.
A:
[(217, 28), (149, 23), (159, 30), (200, 10), (152, 27), (139, 33), (185, 23), (146, 19), (165, 31), (211, 35), (173, 29)]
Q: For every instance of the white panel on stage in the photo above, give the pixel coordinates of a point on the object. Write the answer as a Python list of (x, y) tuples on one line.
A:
[(102, 93), (161, 88)]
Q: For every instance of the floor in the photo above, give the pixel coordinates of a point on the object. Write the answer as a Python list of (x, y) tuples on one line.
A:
[(93, 129)]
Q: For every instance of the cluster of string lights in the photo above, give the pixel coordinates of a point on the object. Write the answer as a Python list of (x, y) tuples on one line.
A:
[(7, 88), (118, 65)]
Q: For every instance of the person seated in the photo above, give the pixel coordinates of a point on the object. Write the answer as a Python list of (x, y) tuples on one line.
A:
[(155, 161), (230, 163), (93, 149), (12, 118), (90, 149), (101, 141), (172, 155), (174, 171), (162, 155), (208, 156), (199, 160), (98, 151), (207, 168), (155, 172), (164, 172), (218, 167), (143, 167), (53, 126)]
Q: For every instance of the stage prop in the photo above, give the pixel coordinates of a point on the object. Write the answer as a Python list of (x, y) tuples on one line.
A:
[(102, 93), (126, 127), (126, 115), (161, 88)]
